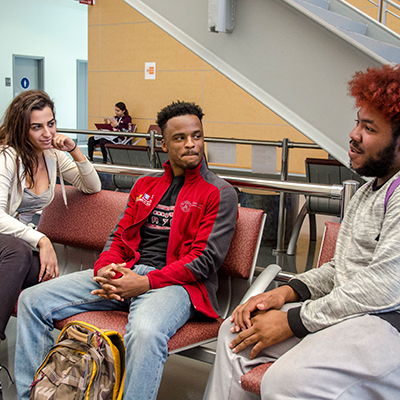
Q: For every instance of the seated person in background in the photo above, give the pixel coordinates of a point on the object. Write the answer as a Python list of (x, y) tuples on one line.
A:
[(166, 250), (121, 122), (342, 340), (32, 154)]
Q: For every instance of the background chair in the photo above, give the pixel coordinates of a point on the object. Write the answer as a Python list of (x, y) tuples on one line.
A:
[(130, 155), (326, 171), (132, 129), (251, 381), (161, 156), (156, 129)]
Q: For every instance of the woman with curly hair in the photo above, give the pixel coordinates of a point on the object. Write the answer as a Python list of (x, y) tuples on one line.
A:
[(32, 154)]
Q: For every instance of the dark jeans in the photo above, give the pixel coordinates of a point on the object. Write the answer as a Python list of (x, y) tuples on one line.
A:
[(19, 269), (91, 145)]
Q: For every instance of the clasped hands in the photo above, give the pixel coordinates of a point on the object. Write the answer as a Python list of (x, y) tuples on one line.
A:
[(259, 321), (130, 284)]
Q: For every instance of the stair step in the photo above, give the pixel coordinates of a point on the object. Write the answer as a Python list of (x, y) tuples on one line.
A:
[(318, 3), (334, 19), (387, 51)]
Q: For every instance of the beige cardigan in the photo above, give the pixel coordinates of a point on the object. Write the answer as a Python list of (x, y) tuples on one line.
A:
[(80, 174)]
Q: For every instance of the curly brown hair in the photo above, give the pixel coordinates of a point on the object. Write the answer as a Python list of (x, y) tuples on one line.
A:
[(14, 130), (379, 89)]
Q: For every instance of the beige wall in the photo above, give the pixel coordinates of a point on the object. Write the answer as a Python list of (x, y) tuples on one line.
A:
[(122, 40)]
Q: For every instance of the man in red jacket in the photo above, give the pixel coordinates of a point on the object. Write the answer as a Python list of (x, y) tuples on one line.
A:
[(160, 262)]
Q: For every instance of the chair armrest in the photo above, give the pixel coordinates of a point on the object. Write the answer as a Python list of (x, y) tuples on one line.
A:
[(262, 281)]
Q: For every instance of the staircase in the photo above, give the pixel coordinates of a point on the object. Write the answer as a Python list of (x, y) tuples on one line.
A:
[(294, 56), (357, 26)]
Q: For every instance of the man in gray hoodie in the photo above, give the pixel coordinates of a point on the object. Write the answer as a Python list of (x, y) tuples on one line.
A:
[(333, 332)]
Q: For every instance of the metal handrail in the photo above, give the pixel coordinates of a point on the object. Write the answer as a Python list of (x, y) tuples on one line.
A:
[(344, 192), (298, 145), (315, 189), (383, 10), (392, 3)]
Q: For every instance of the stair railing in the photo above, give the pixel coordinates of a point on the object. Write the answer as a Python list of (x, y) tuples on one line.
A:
[(383, 9)]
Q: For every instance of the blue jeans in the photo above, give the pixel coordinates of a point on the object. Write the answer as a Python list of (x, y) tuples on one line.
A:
[(153, 318)]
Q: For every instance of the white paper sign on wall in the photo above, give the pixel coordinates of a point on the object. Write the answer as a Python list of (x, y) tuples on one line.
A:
[(224, 153), (263, 159)]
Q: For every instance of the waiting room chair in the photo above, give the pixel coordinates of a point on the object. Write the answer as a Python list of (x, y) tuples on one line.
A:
[(129, 155), (161, 156), (235, 276), (79, 233), (251, 381), (132, 129), (155, 129), (326, 171), (78, 246)]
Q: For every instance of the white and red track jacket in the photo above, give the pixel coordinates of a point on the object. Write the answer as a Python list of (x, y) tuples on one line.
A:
[(201, 231)]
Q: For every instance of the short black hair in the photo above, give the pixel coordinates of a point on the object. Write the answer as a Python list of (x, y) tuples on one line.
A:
[(176, 109)]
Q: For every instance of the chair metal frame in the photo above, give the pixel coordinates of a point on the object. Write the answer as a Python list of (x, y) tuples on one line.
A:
[(327, 171)]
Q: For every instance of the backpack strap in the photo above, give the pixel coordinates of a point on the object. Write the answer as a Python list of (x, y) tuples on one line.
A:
[(391, 190)]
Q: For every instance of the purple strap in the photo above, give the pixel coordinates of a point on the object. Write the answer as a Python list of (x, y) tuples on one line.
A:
[(391, 190)]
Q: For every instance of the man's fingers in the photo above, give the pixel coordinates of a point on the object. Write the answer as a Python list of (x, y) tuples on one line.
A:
[(262, 305), (119, 268), (109, 288), (240, 343), (242, 314), (101, 280), (256, 349), (98, 292), (114, 296), (243, 335), (48, 272), (241, 319), (106, 288), (105, 295)]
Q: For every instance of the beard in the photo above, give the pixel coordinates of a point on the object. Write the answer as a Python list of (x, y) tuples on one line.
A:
[(381, 165)]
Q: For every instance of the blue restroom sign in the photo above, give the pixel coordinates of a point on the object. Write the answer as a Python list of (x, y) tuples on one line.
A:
[(25, 83)]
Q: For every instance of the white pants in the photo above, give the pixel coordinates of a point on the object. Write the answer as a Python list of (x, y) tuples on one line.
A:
[(355, 359)]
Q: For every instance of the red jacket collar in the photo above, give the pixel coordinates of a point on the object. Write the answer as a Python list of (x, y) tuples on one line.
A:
[(191, 175)]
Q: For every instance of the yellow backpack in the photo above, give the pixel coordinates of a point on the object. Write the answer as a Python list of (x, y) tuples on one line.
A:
[(86, 363)]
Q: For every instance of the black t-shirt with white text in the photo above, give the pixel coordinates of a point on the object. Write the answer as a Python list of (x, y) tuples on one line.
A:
[(155, 231)]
